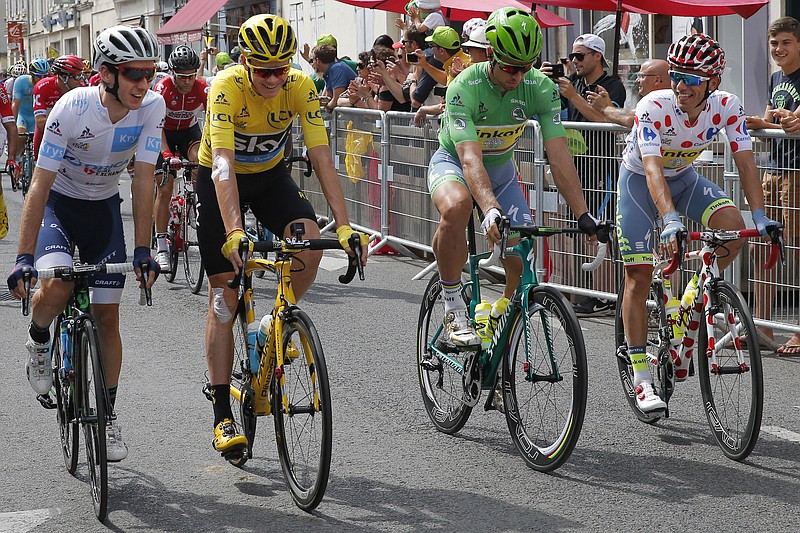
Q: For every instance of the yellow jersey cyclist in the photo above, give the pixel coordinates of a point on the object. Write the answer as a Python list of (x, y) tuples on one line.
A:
[(251, 108), (671, 128), (486, 110), (74, 201)]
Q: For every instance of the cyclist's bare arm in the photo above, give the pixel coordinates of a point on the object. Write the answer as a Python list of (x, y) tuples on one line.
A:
[(657, 184), (32, 214), (142, 189), (225, 185), (13, 139), (471, 157), (41, 121), (565, 175), (749, 177)]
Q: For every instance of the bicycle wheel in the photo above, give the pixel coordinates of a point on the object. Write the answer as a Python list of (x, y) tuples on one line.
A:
[(441, 386), (733, 392), (303, 425), (656, 319), (26, 174), (192, 262), (65, 412), (173, 255), (545, 380), (92, 410), (242, 379)]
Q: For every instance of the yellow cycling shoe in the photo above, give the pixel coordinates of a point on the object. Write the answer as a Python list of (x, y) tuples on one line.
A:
[(227, 440)]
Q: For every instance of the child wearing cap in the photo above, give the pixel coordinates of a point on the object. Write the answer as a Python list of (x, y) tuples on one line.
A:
[(417, 9)]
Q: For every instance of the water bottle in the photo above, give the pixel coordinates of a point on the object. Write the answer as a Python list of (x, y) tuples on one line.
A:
[(673, 308), (482, 312), (498, 310), (691, 291), (263, 332), (255, 354), (66, 346)]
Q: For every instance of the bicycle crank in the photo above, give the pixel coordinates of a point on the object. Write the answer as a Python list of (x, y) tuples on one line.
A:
[(472, 378)]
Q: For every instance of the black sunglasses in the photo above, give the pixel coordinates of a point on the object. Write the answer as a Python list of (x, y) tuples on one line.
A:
[(136, 74), (579, 55)]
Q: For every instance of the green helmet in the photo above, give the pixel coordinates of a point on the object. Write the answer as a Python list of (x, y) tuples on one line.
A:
[(222, 59), (514, 35)]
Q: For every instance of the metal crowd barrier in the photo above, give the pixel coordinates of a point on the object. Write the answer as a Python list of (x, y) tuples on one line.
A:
[(382, 158)]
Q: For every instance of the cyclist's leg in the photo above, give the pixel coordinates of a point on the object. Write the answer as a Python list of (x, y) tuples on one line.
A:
[(278, 202), (453, 200), (221, 313), (189, 145), (506, 188), (706, 203), (635, 214)]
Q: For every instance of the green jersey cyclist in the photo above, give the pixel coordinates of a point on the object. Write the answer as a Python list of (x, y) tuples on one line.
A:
[(486, 110), (672, 127)]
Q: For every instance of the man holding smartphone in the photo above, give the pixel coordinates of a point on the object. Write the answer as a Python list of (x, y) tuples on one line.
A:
[(598, 168)]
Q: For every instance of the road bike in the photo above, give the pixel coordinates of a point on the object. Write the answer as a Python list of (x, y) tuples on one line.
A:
[(713, 320), (285, 375), (182, 229), (23, 179), (79, 383), (536, 357)]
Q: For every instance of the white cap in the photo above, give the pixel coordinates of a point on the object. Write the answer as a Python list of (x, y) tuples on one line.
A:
[(477, 39), (592, 42)]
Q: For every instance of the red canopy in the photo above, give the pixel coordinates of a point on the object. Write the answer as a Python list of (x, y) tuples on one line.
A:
[(678, 8), (462, 10), (187, 24)]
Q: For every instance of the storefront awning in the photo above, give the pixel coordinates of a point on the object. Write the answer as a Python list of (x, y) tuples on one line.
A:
[(187, 24)]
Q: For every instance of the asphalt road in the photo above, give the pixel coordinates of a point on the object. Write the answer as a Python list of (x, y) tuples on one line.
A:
[(391, 470)]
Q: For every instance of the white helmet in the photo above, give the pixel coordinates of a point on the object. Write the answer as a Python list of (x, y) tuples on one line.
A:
[(121, 44), (162, 66)]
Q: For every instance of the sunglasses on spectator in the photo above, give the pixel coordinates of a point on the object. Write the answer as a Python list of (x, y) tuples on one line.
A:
[(513, 69), (185, 76), (690, 80), (579, 55), (136, 74), (267, 72)]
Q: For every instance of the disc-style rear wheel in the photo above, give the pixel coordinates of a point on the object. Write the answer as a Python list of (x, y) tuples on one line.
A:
[(301, 406), (733, 389), (93, 415), (545, 380)]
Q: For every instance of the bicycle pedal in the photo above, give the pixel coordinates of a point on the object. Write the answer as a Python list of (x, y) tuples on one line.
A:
[(207, 392), (432, 364), (46, 401)]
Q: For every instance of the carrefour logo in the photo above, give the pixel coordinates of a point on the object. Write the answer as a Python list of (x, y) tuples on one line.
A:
[(648, 134)]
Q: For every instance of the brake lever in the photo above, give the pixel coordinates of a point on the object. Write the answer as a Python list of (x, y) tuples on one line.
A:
[(244, 252), (145, 293), (503, 225), (26, 283)]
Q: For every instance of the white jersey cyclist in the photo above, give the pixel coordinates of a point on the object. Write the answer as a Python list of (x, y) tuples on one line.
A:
[(662, 129), (88, 152)]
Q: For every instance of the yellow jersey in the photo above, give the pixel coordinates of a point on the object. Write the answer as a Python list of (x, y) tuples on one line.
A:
[(257, 128)]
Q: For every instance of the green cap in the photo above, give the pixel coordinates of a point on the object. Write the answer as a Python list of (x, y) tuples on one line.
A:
[(328, 39), (222, 59), (446, 37), (411, 4)]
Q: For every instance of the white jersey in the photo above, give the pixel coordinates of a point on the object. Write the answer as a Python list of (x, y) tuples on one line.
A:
[(661, 129), (88, 152)]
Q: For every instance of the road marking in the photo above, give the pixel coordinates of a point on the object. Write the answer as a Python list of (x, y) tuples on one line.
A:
[(781, 433), (331, 262), (22, 521)]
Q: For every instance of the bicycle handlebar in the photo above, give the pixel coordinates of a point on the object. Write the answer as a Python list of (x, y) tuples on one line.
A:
[(68, 273), (299, 159), (292, 246), (717, 237)]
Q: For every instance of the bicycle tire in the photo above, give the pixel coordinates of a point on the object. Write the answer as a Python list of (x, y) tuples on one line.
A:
[(192, 262), (445, 409), (27, 174), (242, 379), (545, 415), (65, 406), (173, 255), (307, 417), (733, 402), (93, 414), (656, 319)]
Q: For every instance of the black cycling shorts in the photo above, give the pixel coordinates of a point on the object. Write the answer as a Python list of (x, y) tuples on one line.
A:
[(179, 141), (273, 196)]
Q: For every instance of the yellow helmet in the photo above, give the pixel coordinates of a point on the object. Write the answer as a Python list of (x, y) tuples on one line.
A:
[(267, 38)]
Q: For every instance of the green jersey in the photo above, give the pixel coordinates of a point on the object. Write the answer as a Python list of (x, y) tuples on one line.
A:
[(475, 110)]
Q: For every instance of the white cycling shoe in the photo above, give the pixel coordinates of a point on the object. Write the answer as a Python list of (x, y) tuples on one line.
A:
[(116, 450), (162, 258), (458, 329), (39, 367), (647, 399)]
